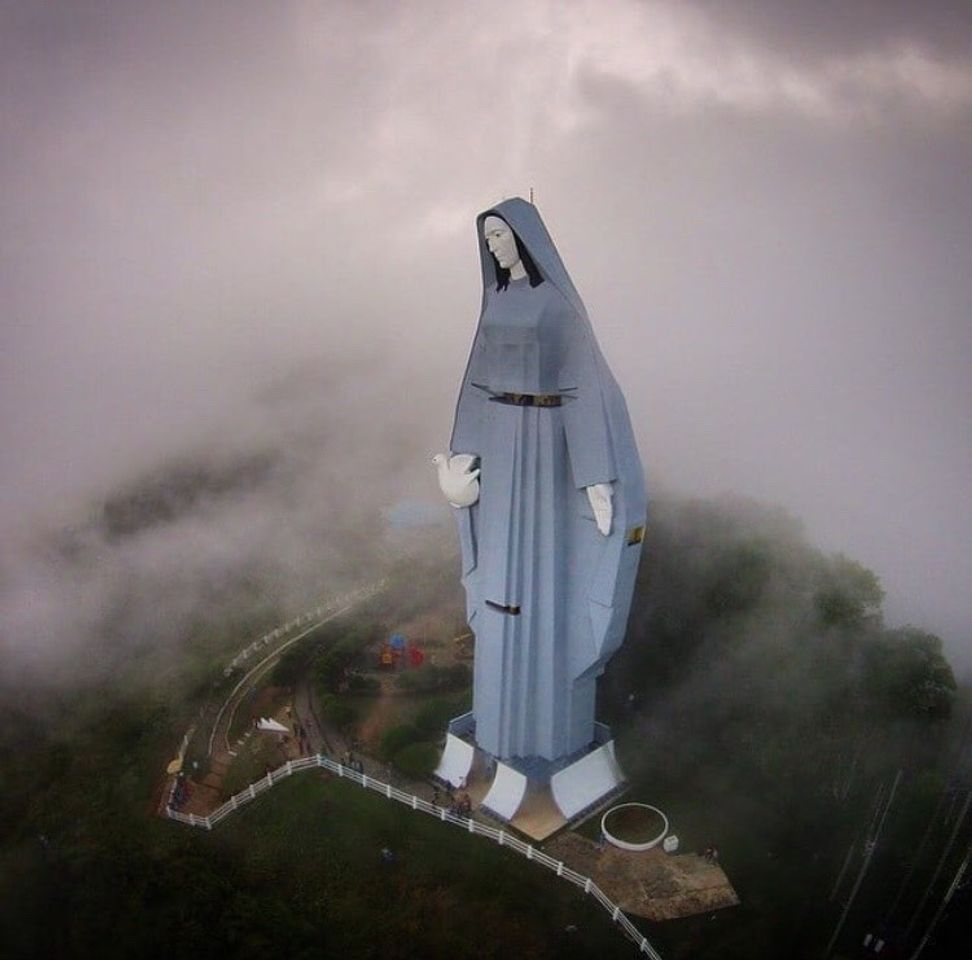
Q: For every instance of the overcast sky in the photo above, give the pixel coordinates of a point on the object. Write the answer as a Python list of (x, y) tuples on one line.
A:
[(765, 205)]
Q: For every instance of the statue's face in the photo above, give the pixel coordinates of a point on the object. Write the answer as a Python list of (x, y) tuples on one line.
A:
[(501, 242)]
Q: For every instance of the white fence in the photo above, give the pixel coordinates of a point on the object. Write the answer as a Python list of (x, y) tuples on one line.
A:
[(502, 837), (318, 616), (305, 618)]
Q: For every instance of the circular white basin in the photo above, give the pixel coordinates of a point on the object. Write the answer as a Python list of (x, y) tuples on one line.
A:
[(625, 811)]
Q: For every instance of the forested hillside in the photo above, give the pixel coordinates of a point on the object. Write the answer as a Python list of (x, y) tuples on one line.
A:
[(762, 700), (759, 699)]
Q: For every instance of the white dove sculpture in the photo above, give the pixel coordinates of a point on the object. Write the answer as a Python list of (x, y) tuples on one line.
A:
[(457, 478)]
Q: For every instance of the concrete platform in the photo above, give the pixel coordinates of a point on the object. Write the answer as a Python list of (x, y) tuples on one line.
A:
[(651, 884), (539, 816)]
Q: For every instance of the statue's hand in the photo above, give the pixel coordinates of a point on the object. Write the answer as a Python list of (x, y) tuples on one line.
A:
[(458, 477), (599, 495)]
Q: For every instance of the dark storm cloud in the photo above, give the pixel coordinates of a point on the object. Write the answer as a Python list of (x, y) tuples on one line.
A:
[(828, 28)]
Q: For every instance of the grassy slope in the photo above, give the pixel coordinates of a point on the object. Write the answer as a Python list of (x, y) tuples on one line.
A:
[(87, 870)]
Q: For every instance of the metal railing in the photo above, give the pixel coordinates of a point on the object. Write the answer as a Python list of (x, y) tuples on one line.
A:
[(300, 621), (501, 837), (316, 618)]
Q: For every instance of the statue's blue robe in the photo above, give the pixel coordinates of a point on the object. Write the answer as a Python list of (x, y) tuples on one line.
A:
[(531, 544)]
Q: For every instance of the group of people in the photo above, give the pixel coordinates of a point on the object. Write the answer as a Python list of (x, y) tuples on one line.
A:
[(460, 804), (302, 738), (352, 762), (180, 792)]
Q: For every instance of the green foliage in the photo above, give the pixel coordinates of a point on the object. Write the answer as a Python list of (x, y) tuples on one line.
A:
[(430, 678), (433, 716), (343, 646), (770, 701), (338, 712), (332, 666), (290, 667), (396, 738), (846, 593), (417, 760), (737, 576), (360, 684), (771, 707), (908, 675)]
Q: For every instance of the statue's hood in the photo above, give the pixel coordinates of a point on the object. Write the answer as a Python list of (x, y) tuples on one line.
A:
[(531, 233)]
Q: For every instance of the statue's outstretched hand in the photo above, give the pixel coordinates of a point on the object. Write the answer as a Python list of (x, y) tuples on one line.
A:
[(458, 477), (599, 495)]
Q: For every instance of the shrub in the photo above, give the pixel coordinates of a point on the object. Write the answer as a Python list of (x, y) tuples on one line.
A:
[(431, 678), (343, 653), (397, 738), (289, 667), (458, 675), (338, 713), (357, 683), (417, 760), (433, 717)]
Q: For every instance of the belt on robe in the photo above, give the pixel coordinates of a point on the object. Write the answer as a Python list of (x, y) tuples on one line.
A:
[(529, 399)]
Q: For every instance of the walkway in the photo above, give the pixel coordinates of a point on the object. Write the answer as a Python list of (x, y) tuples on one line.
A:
[(205, 795)]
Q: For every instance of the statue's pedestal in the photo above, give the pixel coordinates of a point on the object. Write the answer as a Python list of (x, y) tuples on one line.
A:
[(457, 761), (582, 786), (506, 794), (538, 797), (537, 816)]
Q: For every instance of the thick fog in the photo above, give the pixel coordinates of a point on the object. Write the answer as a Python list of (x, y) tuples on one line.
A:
[(240, 229)]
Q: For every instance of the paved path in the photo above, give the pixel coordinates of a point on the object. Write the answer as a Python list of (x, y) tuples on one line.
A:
[(219, 737), (205, 795), (330, 741), (307, 711)]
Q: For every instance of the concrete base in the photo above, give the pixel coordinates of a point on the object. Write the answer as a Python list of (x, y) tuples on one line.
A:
[(538, 816), (456, 762), (581, 786), (538, 807), (506, 794), (537, 797)]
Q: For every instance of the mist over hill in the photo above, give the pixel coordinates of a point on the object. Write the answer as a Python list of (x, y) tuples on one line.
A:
[(759, 699), (280, 506)]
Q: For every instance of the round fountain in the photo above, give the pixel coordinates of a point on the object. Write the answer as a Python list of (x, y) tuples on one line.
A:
[(634, 826)]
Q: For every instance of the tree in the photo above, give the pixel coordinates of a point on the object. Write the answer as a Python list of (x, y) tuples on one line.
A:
[(908, 675), (847, 594)]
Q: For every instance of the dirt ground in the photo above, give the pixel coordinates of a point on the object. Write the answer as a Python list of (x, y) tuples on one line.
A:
[(651, 884), (434, 632)]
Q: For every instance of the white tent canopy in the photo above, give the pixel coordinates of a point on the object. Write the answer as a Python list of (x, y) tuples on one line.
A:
[(268, 723)]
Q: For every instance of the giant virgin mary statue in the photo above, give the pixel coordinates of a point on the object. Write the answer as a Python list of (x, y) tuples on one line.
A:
[(550, 548)]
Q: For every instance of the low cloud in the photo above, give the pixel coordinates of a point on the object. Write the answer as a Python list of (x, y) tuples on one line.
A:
[(764, 206)]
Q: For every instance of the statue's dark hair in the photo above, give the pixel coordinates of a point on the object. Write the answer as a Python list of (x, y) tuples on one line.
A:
[(503, 274)]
